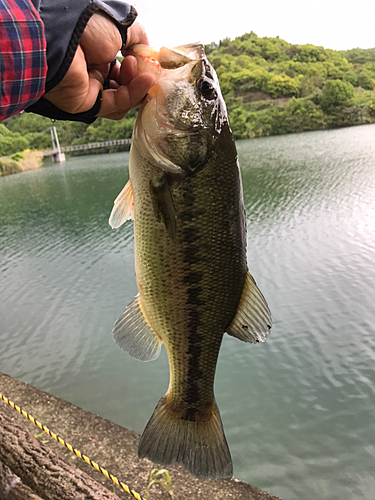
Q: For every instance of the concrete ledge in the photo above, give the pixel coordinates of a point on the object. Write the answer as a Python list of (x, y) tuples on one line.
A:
[(12, 488), (112, 447)]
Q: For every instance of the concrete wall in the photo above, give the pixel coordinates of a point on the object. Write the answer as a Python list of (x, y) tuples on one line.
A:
[(112, 447)]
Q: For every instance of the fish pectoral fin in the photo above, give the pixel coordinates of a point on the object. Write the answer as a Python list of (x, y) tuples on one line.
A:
[(134, 335), (164, 205), (123, 207), (252, 322)]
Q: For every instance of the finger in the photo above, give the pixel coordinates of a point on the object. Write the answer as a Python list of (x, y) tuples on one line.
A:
[(98, 71), (94, 86), (74, 103), (126, 97), (128, 70), (117, 115), (113, 84), (136, 34), (115, 72)]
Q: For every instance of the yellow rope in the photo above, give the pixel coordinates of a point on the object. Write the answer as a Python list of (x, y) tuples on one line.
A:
[(73, 450)]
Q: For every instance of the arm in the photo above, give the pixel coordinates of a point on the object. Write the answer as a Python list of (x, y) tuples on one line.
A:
[(23, 63)]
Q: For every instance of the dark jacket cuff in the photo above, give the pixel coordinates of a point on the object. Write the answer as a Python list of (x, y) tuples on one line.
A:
[(46, 108)]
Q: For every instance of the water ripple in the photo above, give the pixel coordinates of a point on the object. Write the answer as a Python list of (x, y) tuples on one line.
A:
[(298, 409)]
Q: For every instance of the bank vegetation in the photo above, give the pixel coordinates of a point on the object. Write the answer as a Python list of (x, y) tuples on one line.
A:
[(270, 86), (273, 87), (21, 162)]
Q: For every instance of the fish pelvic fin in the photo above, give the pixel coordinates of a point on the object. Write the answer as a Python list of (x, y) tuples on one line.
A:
[(199, 445), (134, 335), (123, 207), (252, 321)]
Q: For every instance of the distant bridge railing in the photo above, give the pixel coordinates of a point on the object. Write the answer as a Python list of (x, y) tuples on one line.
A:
[(92, 145)]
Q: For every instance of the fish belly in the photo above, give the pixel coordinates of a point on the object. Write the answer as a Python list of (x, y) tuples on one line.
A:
[(189, 290)]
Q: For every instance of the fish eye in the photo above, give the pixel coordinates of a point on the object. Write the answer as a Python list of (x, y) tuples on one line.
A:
[(206, 88)]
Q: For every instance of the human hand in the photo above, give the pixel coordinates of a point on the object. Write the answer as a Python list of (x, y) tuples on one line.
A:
[(78, 90)]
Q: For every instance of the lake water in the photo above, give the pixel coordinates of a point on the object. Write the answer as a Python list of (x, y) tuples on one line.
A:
[(298, 410)]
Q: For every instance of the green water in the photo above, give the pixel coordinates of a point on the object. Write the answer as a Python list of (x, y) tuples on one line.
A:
[(299, 410)]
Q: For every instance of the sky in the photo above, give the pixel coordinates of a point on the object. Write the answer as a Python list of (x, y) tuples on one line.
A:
[(334, 24)]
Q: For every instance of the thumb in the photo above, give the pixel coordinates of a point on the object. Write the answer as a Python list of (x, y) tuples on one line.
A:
[(78, 90)]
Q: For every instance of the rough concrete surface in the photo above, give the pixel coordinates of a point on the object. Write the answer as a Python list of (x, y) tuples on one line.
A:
[(112, 447), (11, 487)]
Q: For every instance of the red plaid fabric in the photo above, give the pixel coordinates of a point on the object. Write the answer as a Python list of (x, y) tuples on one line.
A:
[(23, 63)]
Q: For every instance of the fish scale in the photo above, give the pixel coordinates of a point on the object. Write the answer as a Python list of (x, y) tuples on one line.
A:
[(190, 259)]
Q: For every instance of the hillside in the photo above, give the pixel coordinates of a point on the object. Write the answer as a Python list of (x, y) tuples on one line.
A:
[(270, 87), (273, 87)]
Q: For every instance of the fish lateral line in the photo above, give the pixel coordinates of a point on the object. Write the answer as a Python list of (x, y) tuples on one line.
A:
[(190, 256)]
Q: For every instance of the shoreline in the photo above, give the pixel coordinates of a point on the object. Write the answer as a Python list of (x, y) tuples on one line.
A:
[(111, 446)]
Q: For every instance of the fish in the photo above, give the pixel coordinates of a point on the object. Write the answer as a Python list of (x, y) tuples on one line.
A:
[(185, 197)]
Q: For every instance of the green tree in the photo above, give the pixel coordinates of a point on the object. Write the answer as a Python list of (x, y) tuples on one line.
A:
[(310, 53), (359, 56), (282, 86), (210, 47), (237, 119), (336, 93), (4, 131), (11, 142), (224, 42), (366, 75), (25, 123), (310, 85)]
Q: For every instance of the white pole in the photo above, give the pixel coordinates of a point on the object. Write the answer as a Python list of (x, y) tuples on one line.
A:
[(58, 156), (57, 140), (52, 137)]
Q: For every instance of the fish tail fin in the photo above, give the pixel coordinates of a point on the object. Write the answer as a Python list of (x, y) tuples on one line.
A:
[(199, 445)]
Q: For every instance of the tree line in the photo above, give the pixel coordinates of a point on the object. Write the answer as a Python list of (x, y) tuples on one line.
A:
[(273, 87), (270, 87)]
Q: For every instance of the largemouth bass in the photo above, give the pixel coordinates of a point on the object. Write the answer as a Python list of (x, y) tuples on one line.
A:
[(185, 196)]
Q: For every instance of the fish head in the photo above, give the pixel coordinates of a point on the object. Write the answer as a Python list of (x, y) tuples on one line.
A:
[(184, 112)]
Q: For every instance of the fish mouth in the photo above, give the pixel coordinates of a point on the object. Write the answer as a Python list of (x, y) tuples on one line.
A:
[(174, 111), (167, 58)]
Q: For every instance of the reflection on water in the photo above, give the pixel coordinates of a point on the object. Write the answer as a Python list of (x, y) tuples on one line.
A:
[(299, 409)]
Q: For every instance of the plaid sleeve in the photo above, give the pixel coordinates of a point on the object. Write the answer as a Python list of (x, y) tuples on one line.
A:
[(23, 63)]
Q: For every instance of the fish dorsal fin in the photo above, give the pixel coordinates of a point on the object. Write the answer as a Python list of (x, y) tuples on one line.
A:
[(134, 335), (123, 207), (164, 205), (252, 322)]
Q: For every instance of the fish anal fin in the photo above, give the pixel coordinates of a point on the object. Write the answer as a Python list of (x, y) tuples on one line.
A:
[(164, 205), (134, 335), (252, 322), (199, 445), (123, 207)]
